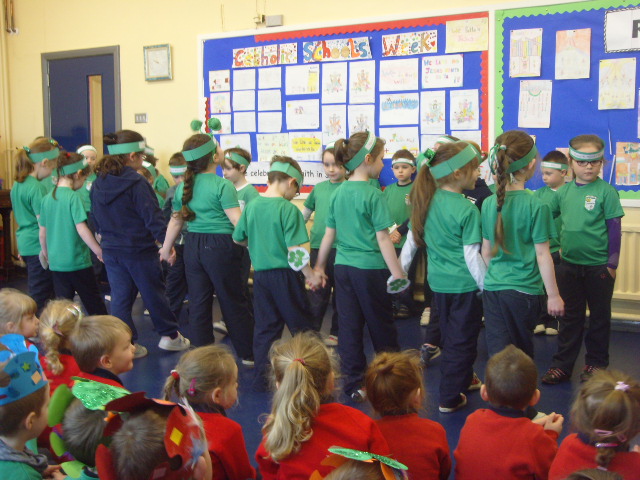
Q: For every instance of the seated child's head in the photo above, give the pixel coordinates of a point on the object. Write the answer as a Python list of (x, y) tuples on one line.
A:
[(394, 383), (206, 375), (356, 465), (57, 321), (356, 470), (594, 474), (285, 174), (102, 341), (235, 164), (403, 164), (303, 374), (607, 411), (24, 394), (177, 167), (83, 431), (511, 380), (18, 313), (554, 168)]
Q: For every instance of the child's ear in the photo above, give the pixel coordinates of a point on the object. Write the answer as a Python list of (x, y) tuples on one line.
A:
[(483, 393), (105, 361), (535, 398), (9, 327), (331, 383), (29, 420), (216, 395), (243, 169)]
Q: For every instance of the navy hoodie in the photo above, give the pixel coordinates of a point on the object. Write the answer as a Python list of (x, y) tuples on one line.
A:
[(126, 213)]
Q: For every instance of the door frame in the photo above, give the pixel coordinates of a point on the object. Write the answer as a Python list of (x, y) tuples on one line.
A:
[(114, 51)]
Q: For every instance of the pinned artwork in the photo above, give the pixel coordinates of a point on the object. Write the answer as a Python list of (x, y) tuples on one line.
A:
[(244, 99), (269, 100), (400, 138), (362, 82), (399, 109), (361, 118), (302, 79), (334, 83), (617, 83), (225, 123), (464, 110), (272, 144), (270, 122), (306, 146), (525, 57), (334, 123), (244, 122), (242, 140), (220, 102), (627, 163), (535, 104), (433, 112), (442, 71), (244, 79), (219, 80), (468, 35), (398, 75), (336, 50), (573, 54), (270, 77), (303, 114)]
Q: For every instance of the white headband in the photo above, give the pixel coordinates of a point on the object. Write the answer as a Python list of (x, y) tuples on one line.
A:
[(86, 147)]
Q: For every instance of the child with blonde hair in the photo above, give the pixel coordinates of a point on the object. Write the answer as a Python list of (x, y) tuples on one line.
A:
[(207, 378), (396, 391), (606, 415), (57, 322), (18, 313), (304, 422)]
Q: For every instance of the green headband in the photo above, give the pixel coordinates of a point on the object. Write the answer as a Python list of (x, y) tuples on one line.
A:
[(330, 145), (201, 151), (554, 165), (151, 169), (288, 169), (124, 148), (359, 157), (408, 161), (586, 157), (456, 162), (236, 157), (73, 167), (424, 158), (524, 161), (40, 156), (178, 170)]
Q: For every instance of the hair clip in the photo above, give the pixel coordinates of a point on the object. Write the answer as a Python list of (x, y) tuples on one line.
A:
[(607, 445), (301, 360), (603, 433), (192, 387), (75, 311), (621, 386), (56, 329), (26, 149), (175, 374)]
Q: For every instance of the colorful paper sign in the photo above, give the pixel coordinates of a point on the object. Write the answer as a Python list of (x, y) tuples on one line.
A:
[(464, 110), (534, 110), (399, 109), (442, 71), (396, 139), (399, 75), (469, 35), (336, 50), (306, 146), (272, 144), (573, 54), (617, 83), (525, 57), (627, 163), (411, 43), (266, 56)]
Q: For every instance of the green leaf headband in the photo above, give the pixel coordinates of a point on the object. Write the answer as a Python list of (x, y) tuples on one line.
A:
[(554, 165), (288, 169), (359, 157), (456, 162), (40, 156), (514, 166), (201, 151), (178, 170), (125, 148), (586, 157), (361, 456), (236, 157), (73, 167)]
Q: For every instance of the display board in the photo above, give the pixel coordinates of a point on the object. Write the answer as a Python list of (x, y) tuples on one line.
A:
[(571, 69), (293, 92)]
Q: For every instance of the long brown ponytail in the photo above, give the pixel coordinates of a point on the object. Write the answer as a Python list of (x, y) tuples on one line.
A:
[(193, 168)]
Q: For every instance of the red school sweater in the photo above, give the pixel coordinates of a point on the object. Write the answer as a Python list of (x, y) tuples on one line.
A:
[(228, 450), (419, 443), (576, 454), (71, 369), (334, 425), (502, 443)]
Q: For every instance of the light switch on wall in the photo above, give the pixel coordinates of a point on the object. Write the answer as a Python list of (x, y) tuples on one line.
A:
[(141, 117)]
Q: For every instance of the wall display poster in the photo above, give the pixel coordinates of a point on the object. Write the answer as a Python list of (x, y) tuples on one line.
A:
[(573, 54), (526, 52), (334, 83), (433, 112), (398, 75), (464, 109), (535, 104), (400, 138), (627, 163), (617, 85), (468, 35)]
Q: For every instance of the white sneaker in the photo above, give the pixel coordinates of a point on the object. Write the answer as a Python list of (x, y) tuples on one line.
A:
[(539, 329), (426, 316), (331, 341), (174, 344), (220, 327), (141, 351)]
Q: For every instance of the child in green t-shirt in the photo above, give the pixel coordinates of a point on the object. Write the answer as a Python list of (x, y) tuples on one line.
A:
[(273, 228), (146, 170), (448, 225), (160, 184), (318, 202), (590, 246), (554, 170), (360, 218), (516, 230), (66, 239)]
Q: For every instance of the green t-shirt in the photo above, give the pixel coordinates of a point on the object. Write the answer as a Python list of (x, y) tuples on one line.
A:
[(452, 223), (212, 195), (271, 225), (160, 184), (246, 193), (84, 191), (584, 209), (526, 221), (160, 200), (357, 210), (318, 201), (26, 199), (397, 197), (67, 251), (18, 471), (49, 183), (374, 182), (546, 194)]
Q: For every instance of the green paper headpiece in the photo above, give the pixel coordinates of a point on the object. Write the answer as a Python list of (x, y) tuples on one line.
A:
[(366, 456), (201, 151), (149, 166), (40, 156), (359, 157), (178, 170), (330, 145), (73, 167), (524, 161), (289, 170), (425, 157), (236, 157), (445, 139), (125, 148), (586, 157), (213, 123), (554, 165), (456, 162)]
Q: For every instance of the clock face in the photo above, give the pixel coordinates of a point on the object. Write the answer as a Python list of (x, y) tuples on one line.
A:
[(158, 63)]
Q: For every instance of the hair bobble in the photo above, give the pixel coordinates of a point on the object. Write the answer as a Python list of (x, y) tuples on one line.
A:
[(503, 148), (26, 149), (623, 387), (607, 445), (301, 360), (192, 387), (175, 374)]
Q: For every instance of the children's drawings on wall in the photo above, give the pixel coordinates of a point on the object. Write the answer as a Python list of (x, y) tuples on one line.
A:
[(264, 56), (362, 82), (464, 110), (303, 114), (334, 123), (336, 50), (270, 77), (627, 163), (428, 141), (399, 109), (270, 122), (442, 71), (244, 79), (269, 100), (398, 75), (573, 54), (242, 140), (219, 80), (468, 35), (225, 122), (244, 100), (617, 83), (411, 43), (220, 102), (535, 104), (525, 48), (244, 122), (468, 136), (361, 118), (638, 116), (302, 79), (400, 138), (272, 144), (433, 112), (334, 82), (306, 146)]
